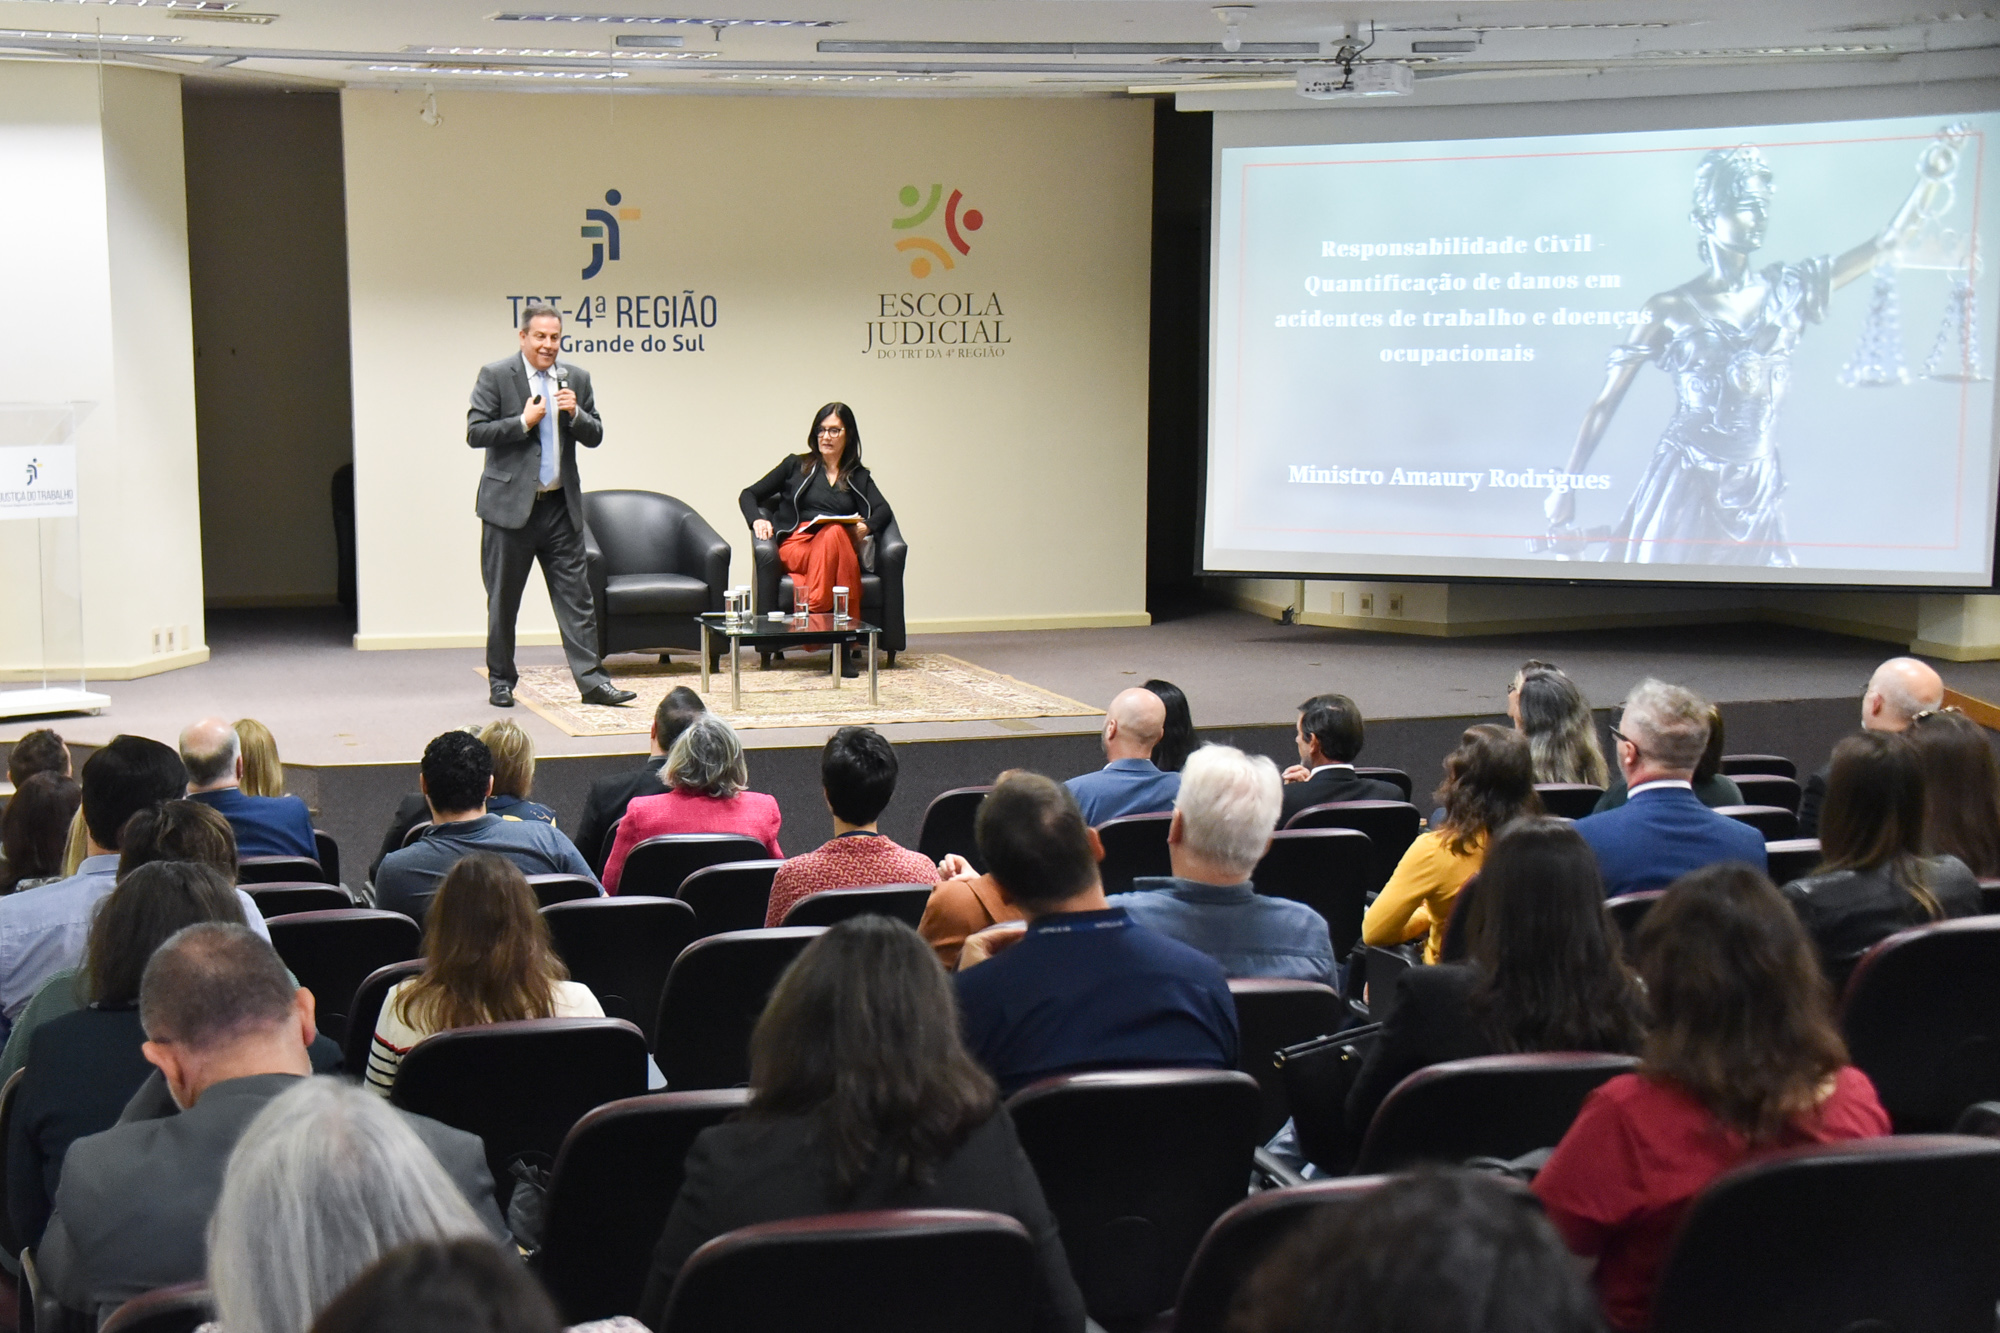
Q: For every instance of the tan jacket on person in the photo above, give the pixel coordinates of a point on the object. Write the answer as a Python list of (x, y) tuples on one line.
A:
[(962, 907)]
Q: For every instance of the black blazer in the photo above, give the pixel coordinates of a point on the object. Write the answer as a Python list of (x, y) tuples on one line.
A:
[(758, 1169), (82, 1068), (513, 455), (1334, 784), (1430, 1022), (1849, 912), (606, 805), (775, 496), (1811, 798)]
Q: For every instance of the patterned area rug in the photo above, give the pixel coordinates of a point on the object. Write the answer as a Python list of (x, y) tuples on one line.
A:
[(923, 687)]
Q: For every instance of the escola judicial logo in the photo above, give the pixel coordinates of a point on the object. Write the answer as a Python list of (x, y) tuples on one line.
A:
[(922, 249), (600, 228)]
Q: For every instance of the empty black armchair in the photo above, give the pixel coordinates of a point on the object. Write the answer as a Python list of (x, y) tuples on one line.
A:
[(881, 587), (655, 565)]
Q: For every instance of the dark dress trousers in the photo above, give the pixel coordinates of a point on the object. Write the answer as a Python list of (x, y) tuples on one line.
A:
[(523, 523), (606, 804), (1337, 783), (1849, 912), (769, 1169)]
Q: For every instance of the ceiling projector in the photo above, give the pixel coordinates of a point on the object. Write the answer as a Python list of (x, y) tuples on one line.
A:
[(1376, 78)]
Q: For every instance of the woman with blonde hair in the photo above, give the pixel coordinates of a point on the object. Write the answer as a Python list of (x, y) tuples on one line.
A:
[(1547, 707), (263, 774), (513, 773)]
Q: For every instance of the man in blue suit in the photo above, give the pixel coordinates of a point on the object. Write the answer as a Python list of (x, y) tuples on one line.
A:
[(264, 825), (1662, 832)]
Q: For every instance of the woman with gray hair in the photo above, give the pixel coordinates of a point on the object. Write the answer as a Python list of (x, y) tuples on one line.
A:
[(706, 780), (324, 1181)]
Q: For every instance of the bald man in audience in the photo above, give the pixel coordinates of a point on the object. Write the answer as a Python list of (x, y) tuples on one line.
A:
[(1129, 784), (1901, 688), (264, 825)]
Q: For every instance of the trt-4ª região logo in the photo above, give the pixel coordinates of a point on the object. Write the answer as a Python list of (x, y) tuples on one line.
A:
[(600, 228), (922, 249)]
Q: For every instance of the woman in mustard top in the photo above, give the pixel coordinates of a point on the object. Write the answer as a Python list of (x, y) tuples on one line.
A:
[(1489, 780)]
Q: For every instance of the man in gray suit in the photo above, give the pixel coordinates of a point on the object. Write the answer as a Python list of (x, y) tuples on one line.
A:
[(228, 1032), (529, 413)]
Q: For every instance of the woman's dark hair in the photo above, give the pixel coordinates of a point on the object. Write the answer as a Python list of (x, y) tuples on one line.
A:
[(1742, 1016), (40, 751), (850, 456), (1434, 1251), (1551, 975), (1489, 782), (34, 832), (488, 957), (1711, 757), (442, 1286), (148, 906), (1177, 741), (1873, 818), (178, 831), (862, 1032), (1961, 789), (857, 770)]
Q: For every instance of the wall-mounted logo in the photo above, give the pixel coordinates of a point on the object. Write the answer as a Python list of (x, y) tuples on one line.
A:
[(922, 249), (34, 470), (600, 228)]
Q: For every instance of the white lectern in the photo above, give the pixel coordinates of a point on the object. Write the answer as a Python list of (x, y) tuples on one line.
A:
[(42, 551)]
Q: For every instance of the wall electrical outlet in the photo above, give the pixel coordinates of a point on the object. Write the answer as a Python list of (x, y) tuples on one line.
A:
[(1395, 604), (1367, 603)]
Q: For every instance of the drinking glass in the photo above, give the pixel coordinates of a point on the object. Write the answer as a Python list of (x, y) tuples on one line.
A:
[(839, 605)]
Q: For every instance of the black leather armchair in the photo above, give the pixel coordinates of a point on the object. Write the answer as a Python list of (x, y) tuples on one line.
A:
[(881, 588), (654, 565)]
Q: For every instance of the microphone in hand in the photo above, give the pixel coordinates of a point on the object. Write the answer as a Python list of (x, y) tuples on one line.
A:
[(565, 400)]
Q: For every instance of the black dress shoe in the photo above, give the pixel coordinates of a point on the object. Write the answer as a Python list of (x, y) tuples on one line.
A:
[(500, 694), (606, 695), (850, 665)]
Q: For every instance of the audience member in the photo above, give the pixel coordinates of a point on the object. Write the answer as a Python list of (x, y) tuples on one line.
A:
[(1742, 1059), (1329, 736), (857, 772), (1544, 970), (513, 773), (228, 1033), (264, 825), (605, 805), (1711, 786), (1223, 817), (1434, 1251), (707, 792), (40, 751), (1489, 781), (453, 1286), (487, 959), (1901, 688), (321, 1184), (84, 1064), (1961, 788), (1081, 986), (263, 771), (456, 776), (862, 1096), (964, 903), (1547, 707), (1177, 736), (1662, 832), (1874, 879), (1130, 783), (34, 830)]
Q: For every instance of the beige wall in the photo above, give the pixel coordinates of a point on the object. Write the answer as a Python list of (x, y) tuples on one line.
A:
[(999, 468)]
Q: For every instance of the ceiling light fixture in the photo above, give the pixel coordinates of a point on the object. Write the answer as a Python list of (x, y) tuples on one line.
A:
[(552, 52), (1443, 48), (1532, 27), (109, 38), (498, 71), (835, 78), (1758, 52), (201, 6), (1231, 17), (856, 48), (666, 21), (222, 16)]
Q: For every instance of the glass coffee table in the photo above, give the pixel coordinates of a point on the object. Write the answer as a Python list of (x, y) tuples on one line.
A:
[(775, 632)]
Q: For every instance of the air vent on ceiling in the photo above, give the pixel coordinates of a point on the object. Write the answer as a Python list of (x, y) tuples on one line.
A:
[(1443, 48)]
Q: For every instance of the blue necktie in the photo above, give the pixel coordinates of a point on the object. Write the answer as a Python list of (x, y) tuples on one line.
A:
[(548, 431)]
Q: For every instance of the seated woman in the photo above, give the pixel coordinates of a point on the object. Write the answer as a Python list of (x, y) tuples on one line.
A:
[(1742, 1059), (1961, 788), (85, 1064), (1712, 787), (1544, 971), (705, 777), (1547, 707), (1489, 781), (263, 773), (820, 506), (862, 1095), (487, 959), (1874, 879), (34, 830), (447, 1286), (513, 773), (1176, 743)]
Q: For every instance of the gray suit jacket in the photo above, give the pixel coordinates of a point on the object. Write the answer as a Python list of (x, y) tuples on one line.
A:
[(133, 1208), (513, 455)]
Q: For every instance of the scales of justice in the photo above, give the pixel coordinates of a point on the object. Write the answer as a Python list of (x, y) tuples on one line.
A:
[(1877, 362)]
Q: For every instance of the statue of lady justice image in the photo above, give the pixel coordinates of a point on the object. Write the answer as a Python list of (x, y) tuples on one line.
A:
[(1711, 493)]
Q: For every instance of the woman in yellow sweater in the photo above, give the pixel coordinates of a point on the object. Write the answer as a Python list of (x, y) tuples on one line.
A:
[(1489, 780)]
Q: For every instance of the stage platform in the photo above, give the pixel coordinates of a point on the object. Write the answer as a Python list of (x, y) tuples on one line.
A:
[(351, 724)]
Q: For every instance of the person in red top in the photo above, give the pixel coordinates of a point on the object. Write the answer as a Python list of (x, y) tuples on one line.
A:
[(705, 777), (857, 771), (1742, 1060)]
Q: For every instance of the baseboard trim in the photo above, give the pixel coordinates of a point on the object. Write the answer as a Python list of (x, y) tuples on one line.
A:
[(991, 624), (376, 643), (145, 666), (1955, 652), (284, 601)]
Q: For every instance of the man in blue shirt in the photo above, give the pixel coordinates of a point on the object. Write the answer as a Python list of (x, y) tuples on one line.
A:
[(1222, 824), (1080, 985), (1662, 832), (456, 777), (264, 825), (1129, 784)]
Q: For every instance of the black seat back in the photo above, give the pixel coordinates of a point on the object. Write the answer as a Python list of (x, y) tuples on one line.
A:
[(1776, 823), (329, 855), (1628, 910), (178, 1309), (1769, 789), (1395, 777), (285, 899), (735, 895), (657, 866), (623, 948), (366, 1011), (1271, 1014), (1568, 800), (561, 888), (332, 953), (1791, 858), (1922, 1020), (904, 902), (947, 826), (1391, 827), (1134, 846), (713, 998), (1736, 765), (1327, 869), (1248, 1234), (10, 1239), (1492, 1106), (639, 532), (279, 870)]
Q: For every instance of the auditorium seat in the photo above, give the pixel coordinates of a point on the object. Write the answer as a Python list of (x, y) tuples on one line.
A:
[(1989, 895), (947, 826), (1490, 1106), (614, 1182), (881, 594), (332, 953), (1391, 827), (366, 1011), (654, 564), (603, 853), (1380, 969), (1136, 1165), (735, 895), (1629, 910), (1271, 1014), (521, 1086), (1568, 800), (1248, 1234), (561, 888), (714, 995), (657, 866), (329, 855), (1319, 1103), (1327, 869), (1736, 765), (1395, 777), (10, 1239), (297, 896), (623, 948), (1135, 846), (1922, 1020), (416, 831), (1792, 858), (907, 1271), (178, 1309), (1889, 1234), (1769, 789), (904, 902), (1776, 823), (279, 870)]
